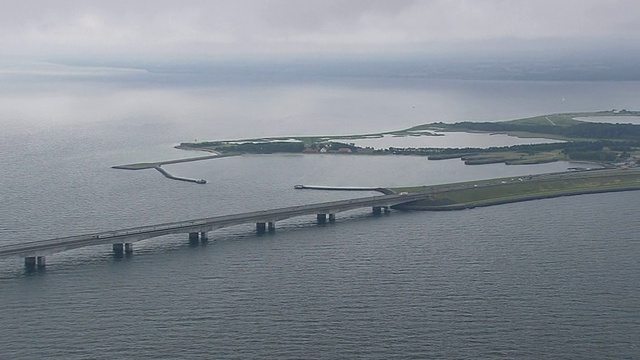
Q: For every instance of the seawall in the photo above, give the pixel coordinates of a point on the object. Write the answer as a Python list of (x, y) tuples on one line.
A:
[(422, 206), (169, 176)]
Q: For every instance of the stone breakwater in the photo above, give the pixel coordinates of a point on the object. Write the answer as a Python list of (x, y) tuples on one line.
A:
[(158, 166), (169, 176)]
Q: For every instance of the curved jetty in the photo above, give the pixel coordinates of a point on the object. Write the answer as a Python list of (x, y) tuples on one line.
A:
[(169, 176), (158, 166)]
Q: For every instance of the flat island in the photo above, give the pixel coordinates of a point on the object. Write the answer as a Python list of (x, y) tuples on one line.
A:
[(613, 146), (577, 140)]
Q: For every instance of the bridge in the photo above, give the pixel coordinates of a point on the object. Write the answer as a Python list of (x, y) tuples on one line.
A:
[(34, 252), (383, 190)]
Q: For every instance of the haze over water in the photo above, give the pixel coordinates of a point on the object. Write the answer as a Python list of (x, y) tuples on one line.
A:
[(85, 85), (552, 278)]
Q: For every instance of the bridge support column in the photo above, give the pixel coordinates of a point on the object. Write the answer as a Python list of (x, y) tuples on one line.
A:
[(322, 218), (332, 218), (194, 238), (128, 248), (204, 237), (118, 248), (41, 262), (271, 226), (30, 263), (261, 228), (377, 210)]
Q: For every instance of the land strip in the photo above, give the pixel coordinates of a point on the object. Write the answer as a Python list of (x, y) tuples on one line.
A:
[(152, 165), (158, 166), (508, 190), (604, 143)]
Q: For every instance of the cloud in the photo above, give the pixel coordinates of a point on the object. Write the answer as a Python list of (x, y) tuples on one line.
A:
[(219, 27)]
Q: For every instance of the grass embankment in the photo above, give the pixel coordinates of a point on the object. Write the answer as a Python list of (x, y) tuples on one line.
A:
[(513, 158), (508, 190), (153, 165)]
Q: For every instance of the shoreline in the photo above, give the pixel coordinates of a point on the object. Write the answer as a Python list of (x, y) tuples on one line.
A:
[(500, 191), (601, 143), (466, 206)]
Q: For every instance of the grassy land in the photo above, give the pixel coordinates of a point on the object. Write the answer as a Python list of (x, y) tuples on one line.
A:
[(507, 190), (583, 141), (513, 158), (152, 165)]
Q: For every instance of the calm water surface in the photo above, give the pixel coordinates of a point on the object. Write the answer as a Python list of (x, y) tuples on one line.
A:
[(447, 140), (556, 278)]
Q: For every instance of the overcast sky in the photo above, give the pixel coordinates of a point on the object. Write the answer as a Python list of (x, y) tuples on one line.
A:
[(39, 29)]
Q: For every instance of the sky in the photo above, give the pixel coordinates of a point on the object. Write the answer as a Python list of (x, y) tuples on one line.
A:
[(44, 29)]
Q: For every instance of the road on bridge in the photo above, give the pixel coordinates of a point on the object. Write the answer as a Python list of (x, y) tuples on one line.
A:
[(201, 226)]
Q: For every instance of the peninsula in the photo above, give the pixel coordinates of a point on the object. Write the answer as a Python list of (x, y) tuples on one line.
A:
[(577, 140), (614, 146)]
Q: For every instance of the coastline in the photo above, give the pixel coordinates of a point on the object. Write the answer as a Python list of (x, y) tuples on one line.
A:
[(418, 207), (503, 191), (620, 149), (603, 143)]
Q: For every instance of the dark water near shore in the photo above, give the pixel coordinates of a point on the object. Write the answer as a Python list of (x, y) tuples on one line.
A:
[(556, 278)]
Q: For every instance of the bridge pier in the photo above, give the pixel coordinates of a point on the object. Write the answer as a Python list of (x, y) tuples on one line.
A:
[(194, 238), (332, 218), (264, 220), (30, 263), (118, 248), (322, 218), (33, 262)]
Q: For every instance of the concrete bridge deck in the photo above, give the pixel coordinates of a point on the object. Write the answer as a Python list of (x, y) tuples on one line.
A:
[(265, 220), (383, 190)]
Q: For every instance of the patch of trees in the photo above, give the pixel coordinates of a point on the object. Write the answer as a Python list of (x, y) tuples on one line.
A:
[(603, 156), (205, 144), (262, 148), (531, 149), (604, 151), (335, 146)]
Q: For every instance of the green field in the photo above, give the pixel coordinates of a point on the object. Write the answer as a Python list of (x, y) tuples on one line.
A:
[(152, 165), (507, 190)]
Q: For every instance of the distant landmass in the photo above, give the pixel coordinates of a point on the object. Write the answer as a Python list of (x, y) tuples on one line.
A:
[(610, 144)]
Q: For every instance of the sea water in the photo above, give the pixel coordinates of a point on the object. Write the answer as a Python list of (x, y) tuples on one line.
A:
[(554, 278)]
